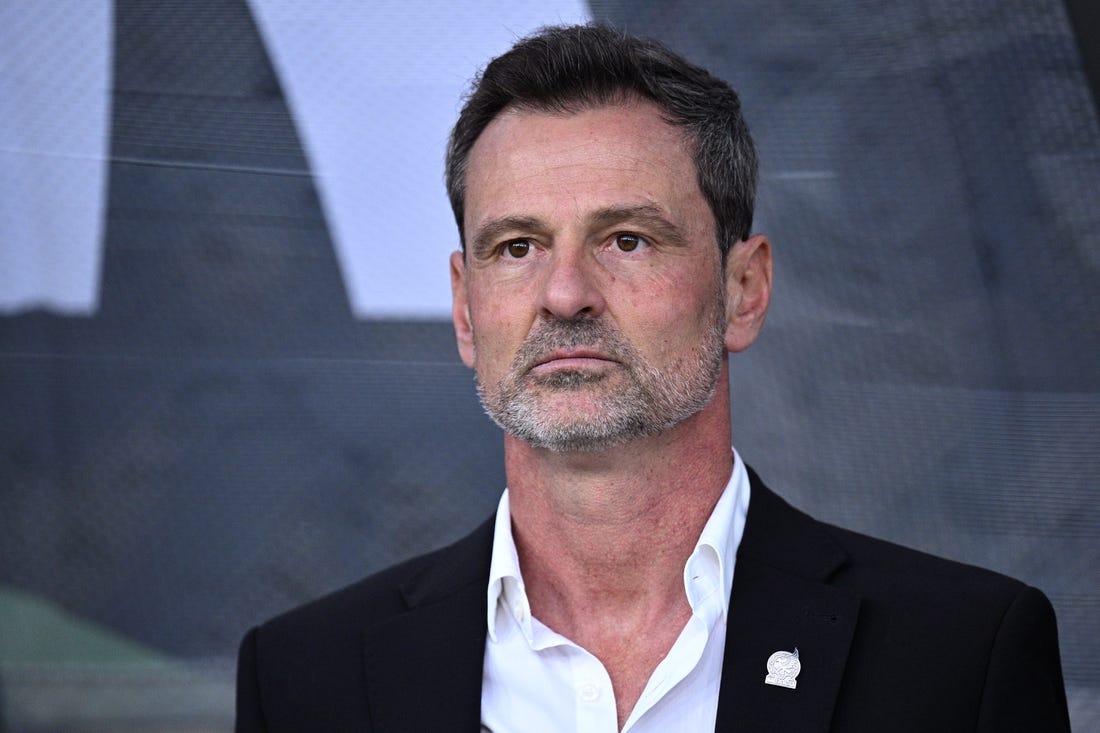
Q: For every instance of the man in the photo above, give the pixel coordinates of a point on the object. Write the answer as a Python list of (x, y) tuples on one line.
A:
[(637, 575)]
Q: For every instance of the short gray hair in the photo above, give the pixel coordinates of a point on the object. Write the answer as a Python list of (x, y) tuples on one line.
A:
[(566, 69)]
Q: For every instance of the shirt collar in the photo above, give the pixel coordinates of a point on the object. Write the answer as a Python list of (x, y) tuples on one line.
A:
[(708, 572), (506, 588)]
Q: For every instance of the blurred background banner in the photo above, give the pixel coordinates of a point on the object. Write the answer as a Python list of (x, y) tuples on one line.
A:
[(228, 382)]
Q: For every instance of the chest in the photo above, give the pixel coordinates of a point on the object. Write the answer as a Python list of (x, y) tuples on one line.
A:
[(654, 685)]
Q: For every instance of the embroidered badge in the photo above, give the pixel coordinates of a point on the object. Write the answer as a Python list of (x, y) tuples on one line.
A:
[(783, 667)]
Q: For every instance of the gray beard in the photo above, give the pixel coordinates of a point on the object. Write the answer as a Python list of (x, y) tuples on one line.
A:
[(648, 401)]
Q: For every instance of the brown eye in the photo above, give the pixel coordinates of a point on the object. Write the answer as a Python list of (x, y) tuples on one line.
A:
[(519, 248), (627, 242)]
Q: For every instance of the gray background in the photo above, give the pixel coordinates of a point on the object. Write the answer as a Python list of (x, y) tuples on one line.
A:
[(223, 440)]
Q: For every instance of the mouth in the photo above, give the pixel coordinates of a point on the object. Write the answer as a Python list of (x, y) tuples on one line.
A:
[(572, 359)]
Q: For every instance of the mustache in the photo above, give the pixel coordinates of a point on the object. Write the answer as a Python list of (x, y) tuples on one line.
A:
[(554, 334)]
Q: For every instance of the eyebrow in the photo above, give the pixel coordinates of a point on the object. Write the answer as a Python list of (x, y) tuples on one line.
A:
[(648, 216), (487, 235)]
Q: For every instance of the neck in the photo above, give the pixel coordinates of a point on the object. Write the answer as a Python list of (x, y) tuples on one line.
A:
[(605, 535), (603, 538)]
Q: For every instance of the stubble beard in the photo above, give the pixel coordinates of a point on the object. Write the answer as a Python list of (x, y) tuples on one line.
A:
[(631, 400)]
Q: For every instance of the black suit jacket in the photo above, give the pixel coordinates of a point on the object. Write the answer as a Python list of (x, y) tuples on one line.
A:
[(889, 639)]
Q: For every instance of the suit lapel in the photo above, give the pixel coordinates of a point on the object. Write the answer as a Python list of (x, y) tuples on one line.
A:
[(780, 601), (424, 666)]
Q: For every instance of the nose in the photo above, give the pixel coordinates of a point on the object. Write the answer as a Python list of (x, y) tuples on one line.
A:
[(570, 287)]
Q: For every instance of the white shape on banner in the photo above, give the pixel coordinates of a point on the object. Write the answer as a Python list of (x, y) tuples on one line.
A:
[(54, 107), (374, 89)]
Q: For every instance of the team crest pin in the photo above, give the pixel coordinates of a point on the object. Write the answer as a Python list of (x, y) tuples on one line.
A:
[(783, 668)]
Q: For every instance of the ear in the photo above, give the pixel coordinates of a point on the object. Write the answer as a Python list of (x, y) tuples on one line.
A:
[(460, 309), (748, 290)]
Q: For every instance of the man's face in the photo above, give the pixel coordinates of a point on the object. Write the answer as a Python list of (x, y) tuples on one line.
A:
[(591, 299)]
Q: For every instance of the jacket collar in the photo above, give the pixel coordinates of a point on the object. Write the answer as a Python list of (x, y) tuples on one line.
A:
[(780, 601)]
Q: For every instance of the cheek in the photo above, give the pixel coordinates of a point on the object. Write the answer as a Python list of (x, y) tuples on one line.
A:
[(497, 335), (659, 292), (669, 315)]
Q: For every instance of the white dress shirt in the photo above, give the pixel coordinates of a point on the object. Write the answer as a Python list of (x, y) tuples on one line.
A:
[(537, 680)]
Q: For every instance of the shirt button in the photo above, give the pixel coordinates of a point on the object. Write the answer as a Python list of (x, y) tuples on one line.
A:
[(588, 692)]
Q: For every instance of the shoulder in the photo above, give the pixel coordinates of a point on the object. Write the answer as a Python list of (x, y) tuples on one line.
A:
[(781, 534), (982, 644), (921, 606), (341, 617), (305, 669), (989, 639), (873, 561)]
